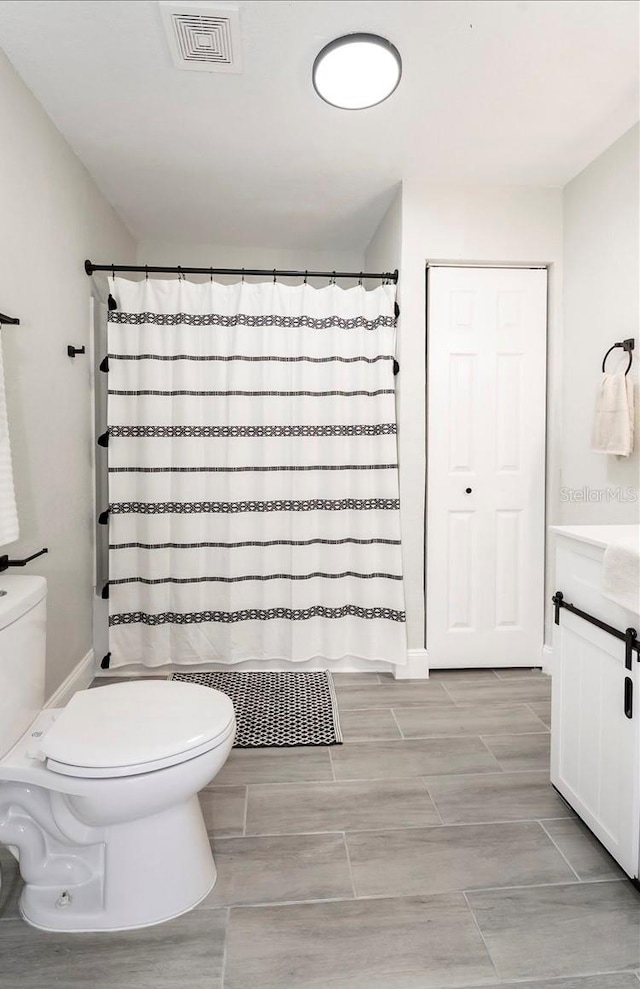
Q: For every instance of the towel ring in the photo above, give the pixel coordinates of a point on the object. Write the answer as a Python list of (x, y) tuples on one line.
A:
[(627, 346)]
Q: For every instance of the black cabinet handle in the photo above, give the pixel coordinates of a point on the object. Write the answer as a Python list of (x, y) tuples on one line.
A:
[(628, 697), (468, 490)]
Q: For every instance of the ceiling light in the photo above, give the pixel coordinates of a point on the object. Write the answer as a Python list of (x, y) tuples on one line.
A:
[(357, 71)]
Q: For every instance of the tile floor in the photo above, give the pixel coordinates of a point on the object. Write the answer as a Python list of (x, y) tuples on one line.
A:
[(429, 851)]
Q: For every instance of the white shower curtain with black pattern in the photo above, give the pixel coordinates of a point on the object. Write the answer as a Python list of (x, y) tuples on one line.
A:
[(253, 481)]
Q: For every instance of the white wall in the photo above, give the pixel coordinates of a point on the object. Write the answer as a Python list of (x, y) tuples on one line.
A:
[(53, 217), (456, 223), (601, 306), (220, 256)]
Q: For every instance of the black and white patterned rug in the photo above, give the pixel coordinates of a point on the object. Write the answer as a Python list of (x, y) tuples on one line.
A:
[(276, 709)]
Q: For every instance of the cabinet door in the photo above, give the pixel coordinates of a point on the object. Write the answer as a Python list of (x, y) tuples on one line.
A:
[(594, 746)]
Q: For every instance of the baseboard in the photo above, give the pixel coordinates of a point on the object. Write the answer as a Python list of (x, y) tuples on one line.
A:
[(79, 679), (547, 660), (417, 667)]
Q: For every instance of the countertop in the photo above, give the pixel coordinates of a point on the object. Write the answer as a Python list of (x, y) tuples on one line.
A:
[(601, 535)]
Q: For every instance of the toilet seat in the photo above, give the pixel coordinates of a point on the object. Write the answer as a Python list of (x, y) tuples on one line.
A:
[(127, 729)]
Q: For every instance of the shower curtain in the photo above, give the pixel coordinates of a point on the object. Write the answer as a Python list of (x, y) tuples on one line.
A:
[(253, 482)]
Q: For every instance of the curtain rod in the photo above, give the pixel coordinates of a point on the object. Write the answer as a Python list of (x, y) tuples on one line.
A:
[(143, 269)]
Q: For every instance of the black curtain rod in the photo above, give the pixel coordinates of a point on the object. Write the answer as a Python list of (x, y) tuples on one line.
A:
[(144, 269)]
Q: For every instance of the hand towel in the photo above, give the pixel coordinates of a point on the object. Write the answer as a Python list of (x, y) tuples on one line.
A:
[(9, 530), (613, 424), (621, 575)]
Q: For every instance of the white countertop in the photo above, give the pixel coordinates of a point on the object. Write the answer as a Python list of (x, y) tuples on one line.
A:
[(601, 535)]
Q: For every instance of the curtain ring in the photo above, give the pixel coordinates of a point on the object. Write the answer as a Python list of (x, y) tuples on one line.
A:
[(332, 280), (113, 270), (306, 273), (360, 279), (211, 275), (274, 276), (180, 275), (146, 273), (242, 279)]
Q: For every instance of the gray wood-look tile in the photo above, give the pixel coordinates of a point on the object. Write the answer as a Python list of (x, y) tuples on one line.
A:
[(223, 809), (518, 672), (105, 681), (546, 931), (440, 860), (392, 693), (412, 757), (11, 885), (542, 710), (508, 692), (496, 797), (186, 952), (430, 722), (307, 807), (345, 679), (279, 869), (288, 765), (517, 753), (368, 723), (583, 851), (610, 980), (462, 675), (407, 943)]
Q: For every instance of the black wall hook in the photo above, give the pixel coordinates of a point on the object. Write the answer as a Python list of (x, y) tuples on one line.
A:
[(73, 351)]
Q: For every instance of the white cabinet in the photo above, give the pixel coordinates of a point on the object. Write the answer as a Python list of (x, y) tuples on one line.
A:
[(595, 747)]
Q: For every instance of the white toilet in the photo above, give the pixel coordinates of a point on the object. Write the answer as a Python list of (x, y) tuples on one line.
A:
[(98, 800)]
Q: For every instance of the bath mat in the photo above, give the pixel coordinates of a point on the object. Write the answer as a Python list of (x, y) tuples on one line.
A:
[(274, 710)]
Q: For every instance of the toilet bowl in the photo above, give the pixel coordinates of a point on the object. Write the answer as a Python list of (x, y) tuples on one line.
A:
[(98, 800)]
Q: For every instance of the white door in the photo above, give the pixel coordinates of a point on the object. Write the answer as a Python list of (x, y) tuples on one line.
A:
[(486, 381)]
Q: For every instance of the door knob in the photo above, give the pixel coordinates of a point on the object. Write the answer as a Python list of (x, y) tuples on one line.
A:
[(468, 490)]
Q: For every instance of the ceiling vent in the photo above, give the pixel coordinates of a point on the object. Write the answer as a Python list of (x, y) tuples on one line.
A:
[(203, 37)]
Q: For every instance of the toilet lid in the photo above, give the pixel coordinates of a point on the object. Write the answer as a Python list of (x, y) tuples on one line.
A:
[(138, 725)]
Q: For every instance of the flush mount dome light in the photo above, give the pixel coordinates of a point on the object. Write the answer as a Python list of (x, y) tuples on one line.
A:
[(357, 71)]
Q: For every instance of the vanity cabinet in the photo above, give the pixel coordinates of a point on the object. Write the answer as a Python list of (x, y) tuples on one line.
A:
[(595, 746)]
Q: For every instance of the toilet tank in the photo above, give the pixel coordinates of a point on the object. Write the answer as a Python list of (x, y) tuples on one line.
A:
[(23, 620)]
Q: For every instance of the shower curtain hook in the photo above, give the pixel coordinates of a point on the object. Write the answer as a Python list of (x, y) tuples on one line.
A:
[(211, 275), (242, 275), (146, 273), (360, 279), (113, 270), (306, 273), (332, 280), (180, 275), (274, 276)]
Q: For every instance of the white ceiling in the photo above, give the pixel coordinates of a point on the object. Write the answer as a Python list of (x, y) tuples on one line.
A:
[(494, 91)]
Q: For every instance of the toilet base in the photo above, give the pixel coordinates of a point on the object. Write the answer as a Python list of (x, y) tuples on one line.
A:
[(142, 873)]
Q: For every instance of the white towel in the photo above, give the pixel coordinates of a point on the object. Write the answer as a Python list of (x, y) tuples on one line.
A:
[(613, 424), (9, 530), (621, 575)]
